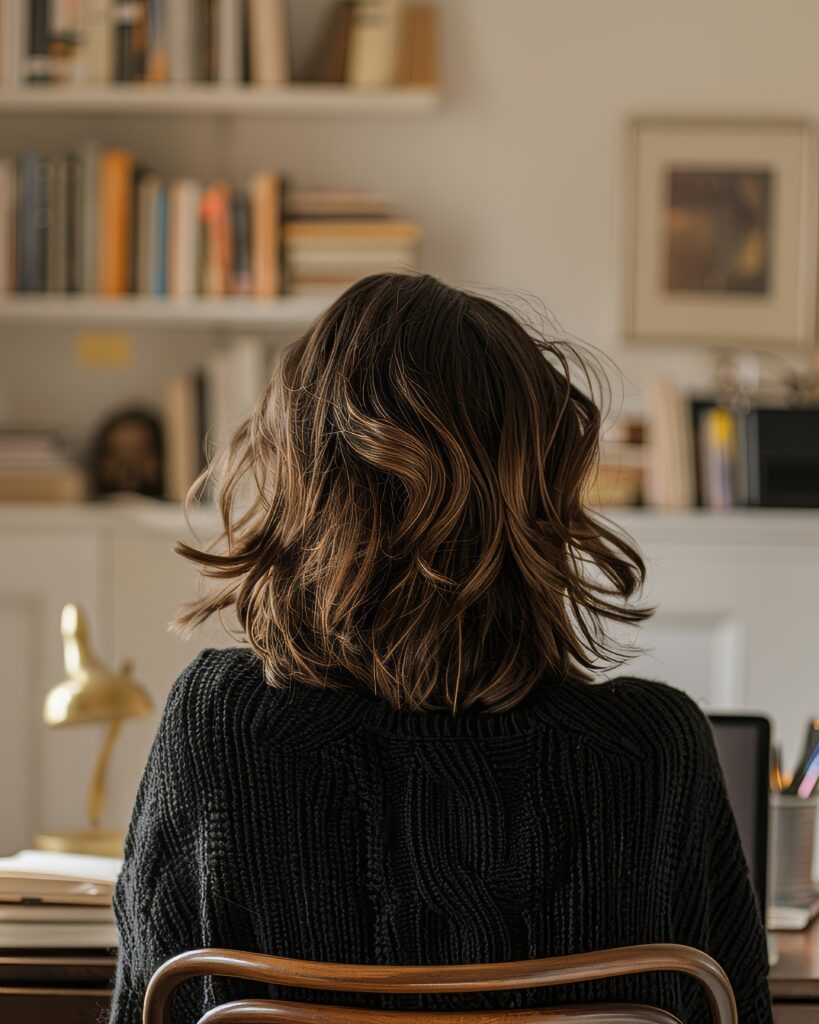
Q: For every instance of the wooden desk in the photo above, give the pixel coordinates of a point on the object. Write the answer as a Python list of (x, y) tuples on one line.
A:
[(67, 987), (795, 979), (53, 986)]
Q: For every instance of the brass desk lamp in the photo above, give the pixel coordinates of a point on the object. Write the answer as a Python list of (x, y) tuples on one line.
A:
[(91, 692)]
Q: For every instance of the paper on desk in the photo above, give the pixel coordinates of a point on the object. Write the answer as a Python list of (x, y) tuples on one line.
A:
[(38, 935), (69, 867), (35, 876)]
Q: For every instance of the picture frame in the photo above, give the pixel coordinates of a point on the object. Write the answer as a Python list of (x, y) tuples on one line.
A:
[(722, 232)]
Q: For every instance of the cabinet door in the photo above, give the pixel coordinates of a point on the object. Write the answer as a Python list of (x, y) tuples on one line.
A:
[(44, 772)]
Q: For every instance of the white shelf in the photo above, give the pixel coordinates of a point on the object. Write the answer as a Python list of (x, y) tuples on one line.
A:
[(299, 99), (283, 313)]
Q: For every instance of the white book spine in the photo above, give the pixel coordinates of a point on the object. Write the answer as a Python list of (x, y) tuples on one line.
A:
[(96, 62), (183, 247), (229, 35)]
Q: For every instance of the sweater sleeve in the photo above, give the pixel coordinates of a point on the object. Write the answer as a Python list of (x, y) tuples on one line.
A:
[(157, 896), (716, 905)]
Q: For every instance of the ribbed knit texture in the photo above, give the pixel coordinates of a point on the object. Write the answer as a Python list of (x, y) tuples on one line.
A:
[(327, 826)]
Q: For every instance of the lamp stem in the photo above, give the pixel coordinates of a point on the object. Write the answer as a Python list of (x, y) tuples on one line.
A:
[(96, 791)]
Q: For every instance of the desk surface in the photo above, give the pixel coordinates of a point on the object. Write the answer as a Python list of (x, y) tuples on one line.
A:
[(796, 976), (794, 979)]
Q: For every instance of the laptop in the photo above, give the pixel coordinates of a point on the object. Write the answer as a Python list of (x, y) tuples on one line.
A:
[(743, 745)]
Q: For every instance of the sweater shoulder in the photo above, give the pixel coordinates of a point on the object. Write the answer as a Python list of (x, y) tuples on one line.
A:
[(652, 717), (224, 697)]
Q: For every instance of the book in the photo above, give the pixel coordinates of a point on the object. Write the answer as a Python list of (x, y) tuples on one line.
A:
[(130, 39), (180, 25), (74, 240), (96, 61), (57, 237), (38, 62), (330, 59), (218, 260), (88, 216), (115, 220), (12, 23), (327, 203), (31, 222), (418, 56), (147, 227), (372, 55), (241, 279), (669, 479), (61, 878), (7, 208), (157, 65), (269, 49), (24, 483), (159, 257), (265, 234), (184, 239), (181, 416), (229, 32)]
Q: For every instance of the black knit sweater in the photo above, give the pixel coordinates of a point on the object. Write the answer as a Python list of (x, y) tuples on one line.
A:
[(326, 825)]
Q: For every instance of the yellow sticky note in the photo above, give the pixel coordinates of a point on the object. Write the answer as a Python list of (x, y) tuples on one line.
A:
[(110, 349)]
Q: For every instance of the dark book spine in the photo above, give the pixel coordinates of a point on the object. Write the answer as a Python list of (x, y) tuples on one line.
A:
[(73, 227), (39, 68), (133, 285), (240, 242)]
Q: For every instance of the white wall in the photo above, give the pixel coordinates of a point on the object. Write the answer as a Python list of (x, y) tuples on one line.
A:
[(518, 179)]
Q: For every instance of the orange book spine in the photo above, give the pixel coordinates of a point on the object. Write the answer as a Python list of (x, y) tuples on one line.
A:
[(265, 234), (215, 211), (116, 204)]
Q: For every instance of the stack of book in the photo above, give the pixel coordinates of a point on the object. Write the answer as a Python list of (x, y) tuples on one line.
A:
[(379, 43), (96, 41), (333, 238), (35, 466), (57, 900), (96, 222), (367, 43)]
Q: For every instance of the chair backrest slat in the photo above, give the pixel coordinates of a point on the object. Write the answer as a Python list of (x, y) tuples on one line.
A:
[(269, 1011), (550, 971)]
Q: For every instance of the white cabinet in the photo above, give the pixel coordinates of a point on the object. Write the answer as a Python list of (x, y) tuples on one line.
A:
[(737, 627), (119, 565)]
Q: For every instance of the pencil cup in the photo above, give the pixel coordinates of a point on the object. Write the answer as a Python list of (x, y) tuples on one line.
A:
[(792, 831)]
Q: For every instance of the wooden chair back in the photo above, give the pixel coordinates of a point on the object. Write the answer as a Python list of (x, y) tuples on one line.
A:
[(550, 971)]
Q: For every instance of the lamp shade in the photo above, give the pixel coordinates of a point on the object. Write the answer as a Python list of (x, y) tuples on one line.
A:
[(91, 692)]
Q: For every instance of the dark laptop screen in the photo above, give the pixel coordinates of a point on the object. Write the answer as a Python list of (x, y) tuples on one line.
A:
[(743, 744)]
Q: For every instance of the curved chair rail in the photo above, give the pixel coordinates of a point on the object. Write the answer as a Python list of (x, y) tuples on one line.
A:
[(252, 1011), (549, 971)]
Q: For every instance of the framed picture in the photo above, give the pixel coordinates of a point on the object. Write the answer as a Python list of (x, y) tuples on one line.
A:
[(723, 232)]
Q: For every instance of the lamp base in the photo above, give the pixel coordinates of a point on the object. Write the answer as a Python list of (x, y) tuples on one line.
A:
[(100, 842)]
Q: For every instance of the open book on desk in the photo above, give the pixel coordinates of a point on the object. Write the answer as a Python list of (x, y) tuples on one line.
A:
[(57, 900)]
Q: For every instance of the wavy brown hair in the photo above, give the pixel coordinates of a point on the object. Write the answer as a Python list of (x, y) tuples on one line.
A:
[(404, 509)]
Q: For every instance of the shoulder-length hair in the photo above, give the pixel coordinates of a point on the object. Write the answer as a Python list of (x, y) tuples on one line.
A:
[(404, 509)]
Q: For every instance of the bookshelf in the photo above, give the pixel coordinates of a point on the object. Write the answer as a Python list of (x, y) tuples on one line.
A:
[(297, 99), (286, 312)]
